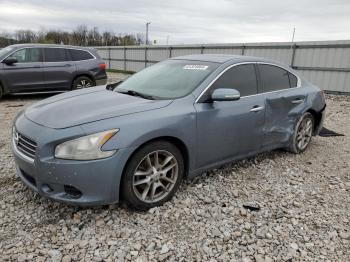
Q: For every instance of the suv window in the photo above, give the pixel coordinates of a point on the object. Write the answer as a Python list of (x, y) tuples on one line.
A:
[(27, 55), (55, 55), (79, 55), (273, 78), (241, 78)]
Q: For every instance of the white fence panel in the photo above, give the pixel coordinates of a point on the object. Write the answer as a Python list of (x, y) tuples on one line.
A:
[(325, 63), (155, 54)]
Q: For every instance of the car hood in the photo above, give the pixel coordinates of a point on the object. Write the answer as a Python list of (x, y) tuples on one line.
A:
[(87, 105)]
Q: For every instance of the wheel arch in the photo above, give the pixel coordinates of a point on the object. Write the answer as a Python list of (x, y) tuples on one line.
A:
[(171, 139), (80, 75), (317, 118), (3, 88)]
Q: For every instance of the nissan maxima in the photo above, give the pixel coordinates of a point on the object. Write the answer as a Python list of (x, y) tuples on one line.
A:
[(137, 140)]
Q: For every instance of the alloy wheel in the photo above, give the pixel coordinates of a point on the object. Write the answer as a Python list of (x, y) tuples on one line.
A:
[(84, 84), (155, 176), (304, 133)]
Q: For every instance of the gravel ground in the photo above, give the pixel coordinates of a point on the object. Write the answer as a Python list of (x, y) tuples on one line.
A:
[(303, 202)]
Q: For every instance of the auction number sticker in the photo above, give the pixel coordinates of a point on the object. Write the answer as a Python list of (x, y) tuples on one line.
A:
[(195, 67)]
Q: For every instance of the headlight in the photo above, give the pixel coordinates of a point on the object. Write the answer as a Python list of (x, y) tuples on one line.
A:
[(86, 147)]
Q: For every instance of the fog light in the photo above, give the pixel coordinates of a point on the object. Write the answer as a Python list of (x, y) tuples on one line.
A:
[(46, 188), (72, 191)]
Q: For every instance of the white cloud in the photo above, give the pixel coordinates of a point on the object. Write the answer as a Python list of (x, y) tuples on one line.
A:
[(188, 21)]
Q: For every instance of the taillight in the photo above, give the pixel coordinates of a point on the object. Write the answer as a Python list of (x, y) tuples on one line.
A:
[(102, 66)]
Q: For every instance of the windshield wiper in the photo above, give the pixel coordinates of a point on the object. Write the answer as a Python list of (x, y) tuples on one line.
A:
[(135, 93)]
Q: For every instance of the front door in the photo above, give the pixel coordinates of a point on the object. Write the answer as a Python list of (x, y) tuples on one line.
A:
[(27, 74), (230, 129)]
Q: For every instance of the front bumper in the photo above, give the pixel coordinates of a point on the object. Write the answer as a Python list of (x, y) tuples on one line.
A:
[(83, 183)]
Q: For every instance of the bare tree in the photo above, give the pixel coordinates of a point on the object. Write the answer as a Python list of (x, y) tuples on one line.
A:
[(25, 36), (107, 38), (93, 37), (81, 36)]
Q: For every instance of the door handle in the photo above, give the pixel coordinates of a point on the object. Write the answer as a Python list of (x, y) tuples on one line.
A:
[(297, 101), (256, 109)]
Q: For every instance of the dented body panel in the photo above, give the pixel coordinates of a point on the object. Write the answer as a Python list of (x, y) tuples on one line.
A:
[(209, 134)]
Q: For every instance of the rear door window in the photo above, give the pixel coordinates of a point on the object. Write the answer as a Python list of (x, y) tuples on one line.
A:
[(241, 78), (55, 55), (273, 78), (79, 55), (27, 55)]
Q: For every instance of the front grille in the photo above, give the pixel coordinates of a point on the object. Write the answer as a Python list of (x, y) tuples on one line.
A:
[(26, 145)]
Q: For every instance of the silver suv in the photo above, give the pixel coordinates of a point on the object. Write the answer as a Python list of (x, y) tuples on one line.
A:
[(36, 68)]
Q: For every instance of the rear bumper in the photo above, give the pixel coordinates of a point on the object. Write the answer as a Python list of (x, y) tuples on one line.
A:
[(101, 82)]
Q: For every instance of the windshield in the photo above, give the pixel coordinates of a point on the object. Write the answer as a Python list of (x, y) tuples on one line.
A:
[(5, 50), (169, 79)]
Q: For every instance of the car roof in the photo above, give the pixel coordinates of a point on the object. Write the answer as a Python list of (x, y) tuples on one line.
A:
[(221, 58)]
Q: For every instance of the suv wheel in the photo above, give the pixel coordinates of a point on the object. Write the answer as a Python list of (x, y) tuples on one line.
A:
[(82, 82), (152, 175), (302, 133)]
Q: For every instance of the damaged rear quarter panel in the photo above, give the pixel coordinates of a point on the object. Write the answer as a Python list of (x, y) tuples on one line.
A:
[(283, 111)]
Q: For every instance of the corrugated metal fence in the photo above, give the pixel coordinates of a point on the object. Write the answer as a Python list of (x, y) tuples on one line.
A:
[(325, 63)]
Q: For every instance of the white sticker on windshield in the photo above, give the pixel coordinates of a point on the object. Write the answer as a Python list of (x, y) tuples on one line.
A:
[(195, 67)]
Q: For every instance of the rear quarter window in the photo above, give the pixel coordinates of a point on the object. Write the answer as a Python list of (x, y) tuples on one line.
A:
[(80, 55), (273, 78), (293, 80)]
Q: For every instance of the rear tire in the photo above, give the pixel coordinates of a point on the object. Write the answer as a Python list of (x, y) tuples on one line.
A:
[(152, 175), (302, 133), (82, 82), (1, 92)]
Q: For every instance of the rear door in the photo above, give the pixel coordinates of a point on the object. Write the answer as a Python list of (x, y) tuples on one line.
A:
[(230, 129), (283, 100), (27, 74), (59, 70)]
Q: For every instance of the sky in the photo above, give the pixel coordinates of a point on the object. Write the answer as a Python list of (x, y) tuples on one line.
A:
[(188, 22)]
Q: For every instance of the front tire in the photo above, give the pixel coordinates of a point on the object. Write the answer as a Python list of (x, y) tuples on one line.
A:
[(302, 133), (152, 176), (82, 82)]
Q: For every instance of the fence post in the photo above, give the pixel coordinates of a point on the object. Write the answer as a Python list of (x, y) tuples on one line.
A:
[(109, 58), (294, 47), (124, 58), (146, 56), (170, 51), (243, 49)]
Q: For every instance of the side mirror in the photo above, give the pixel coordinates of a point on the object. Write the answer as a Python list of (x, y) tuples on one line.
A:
[(10, 60), (112, 86), (225, 94)]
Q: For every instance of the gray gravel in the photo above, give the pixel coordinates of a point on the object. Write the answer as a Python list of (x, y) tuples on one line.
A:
[(303, 202)]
